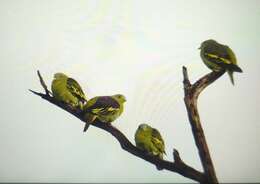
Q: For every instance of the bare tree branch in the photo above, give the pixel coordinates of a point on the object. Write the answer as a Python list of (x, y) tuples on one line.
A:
[(192, 92), (177, 166), (43, 83)]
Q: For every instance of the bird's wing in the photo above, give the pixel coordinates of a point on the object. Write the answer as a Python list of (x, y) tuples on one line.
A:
[(217, 59), (75, 89), (157, 140), (104, 105), (218, 54), (105, 111)]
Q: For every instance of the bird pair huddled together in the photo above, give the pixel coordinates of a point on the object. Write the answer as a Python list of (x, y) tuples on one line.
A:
[(106, 109), (103, 108)]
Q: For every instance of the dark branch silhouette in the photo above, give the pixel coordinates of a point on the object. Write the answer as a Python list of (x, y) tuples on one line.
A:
[(191, 94)]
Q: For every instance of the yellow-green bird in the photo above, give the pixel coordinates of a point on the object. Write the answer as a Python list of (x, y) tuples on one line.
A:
[(150, 140), (218, 57), (67, 90), (104, 108)]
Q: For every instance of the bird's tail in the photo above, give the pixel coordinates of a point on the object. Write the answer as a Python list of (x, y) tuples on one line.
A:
[(88, 118), (230, 73), (86, 126), (235, 68)]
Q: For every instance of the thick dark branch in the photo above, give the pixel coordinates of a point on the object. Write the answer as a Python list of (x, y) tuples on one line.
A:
[(191, 95), (177, 166)]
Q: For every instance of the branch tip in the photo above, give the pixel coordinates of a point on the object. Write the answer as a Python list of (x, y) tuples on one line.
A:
[(47, 92), (176, 156), (186, 81), (185, 72), (34, 92)]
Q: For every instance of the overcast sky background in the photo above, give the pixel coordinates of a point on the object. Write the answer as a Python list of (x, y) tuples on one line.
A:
[(136, 48)]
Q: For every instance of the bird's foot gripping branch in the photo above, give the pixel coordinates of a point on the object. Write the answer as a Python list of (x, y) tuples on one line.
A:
[(177, 166)]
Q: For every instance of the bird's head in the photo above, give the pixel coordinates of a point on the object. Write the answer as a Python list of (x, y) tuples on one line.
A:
[(120, 98), (143, 126), (207, 43), (59, 75)]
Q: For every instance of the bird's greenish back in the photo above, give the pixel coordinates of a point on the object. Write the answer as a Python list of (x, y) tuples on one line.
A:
[(60, 90), (149, 140)]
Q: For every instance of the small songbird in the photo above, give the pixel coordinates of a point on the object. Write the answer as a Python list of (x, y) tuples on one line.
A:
[(104, 108), (150, 140), (67, 90), (219, 57)]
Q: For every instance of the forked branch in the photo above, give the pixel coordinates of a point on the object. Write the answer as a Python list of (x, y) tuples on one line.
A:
[(192, 92), (177, 165)]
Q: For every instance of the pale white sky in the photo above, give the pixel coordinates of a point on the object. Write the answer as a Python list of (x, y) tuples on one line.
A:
[(136, 48)]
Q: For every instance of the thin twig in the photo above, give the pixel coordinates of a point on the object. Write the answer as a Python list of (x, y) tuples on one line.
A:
[(47, 92)]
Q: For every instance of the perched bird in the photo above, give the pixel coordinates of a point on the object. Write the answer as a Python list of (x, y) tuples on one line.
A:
[(219, 57), (67, 90), (150, 140), (103, 108)]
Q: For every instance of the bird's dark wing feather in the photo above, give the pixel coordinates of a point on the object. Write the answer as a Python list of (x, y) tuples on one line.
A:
[(75, 89), (218, 54), (105, 101), (104, 105), (157, 140)]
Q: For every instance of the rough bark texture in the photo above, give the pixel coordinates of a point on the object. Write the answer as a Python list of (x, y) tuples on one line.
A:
[(191, 94)]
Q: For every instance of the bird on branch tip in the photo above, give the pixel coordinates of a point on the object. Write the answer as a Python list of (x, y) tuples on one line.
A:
[(67, 90), (150, 141), (219, 57), (103, 108)]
